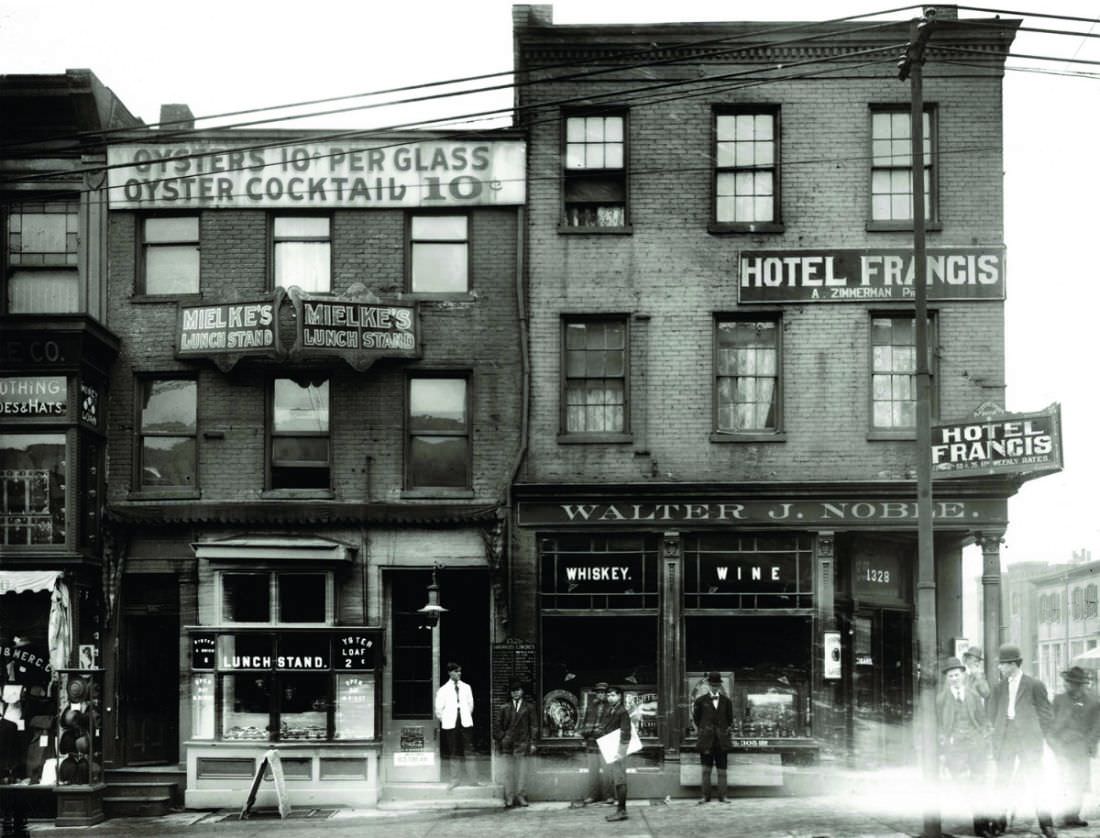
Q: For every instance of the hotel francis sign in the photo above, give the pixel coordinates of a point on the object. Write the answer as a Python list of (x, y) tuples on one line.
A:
[(357, 328), (352, 173), (1003, 443), (881, 275)]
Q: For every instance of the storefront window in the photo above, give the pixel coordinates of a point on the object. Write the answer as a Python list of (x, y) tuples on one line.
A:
[(605, 571), (355, 706), (748, 571), (202, 707), (32, 489)]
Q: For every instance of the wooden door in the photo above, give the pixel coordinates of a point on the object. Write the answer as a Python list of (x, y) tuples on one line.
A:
[(150, 688)]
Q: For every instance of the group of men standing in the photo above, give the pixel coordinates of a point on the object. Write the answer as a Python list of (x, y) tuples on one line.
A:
[(1012, 721)]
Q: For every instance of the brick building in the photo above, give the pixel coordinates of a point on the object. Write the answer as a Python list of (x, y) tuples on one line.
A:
[(317, 407), (721, 467)]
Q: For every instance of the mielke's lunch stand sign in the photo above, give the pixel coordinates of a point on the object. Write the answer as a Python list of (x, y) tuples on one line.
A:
[(1004, 443)]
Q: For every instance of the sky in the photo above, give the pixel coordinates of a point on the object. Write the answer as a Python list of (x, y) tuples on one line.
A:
[(221, 57)]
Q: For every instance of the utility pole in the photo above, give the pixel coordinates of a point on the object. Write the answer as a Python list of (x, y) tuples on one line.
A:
[(909, 67)]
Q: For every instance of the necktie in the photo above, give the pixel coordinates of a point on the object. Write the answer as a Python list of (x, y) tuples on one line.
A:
[(958, 696), (517, 706), (457, 693)]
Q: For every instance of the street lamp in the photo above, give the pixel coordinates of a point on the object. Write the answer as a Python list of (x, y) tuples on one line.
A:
[(433, 609)]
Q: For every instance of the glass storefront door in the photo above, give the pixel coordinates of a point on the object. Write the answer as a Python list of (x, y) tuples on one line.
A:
[(881, 685)]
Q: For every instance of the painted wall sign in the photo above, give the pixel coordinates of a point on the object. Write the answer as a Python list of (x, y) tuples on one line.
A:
[(1012, 443), (228, 332), (843, 276), (38, 351), (24, 397), (766, 573), (800, 513), (203, 651), (355, 173), (356, 651), (592, 574)]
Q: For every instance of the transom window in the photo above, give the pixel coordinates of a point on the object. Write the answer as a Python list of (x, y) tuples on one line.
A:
[(303, 252), (893, 371), (595, 171), (276, 597), (892, 166), (747, 368), (438, 454), (595, 376), (440, 253), (43, 239), (168, 431), (300, 451), (171, 254), (746, 168)]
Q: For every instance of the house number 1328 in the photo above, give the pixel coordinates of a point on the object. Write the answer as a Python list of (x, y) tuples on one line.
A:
[(878, 575)]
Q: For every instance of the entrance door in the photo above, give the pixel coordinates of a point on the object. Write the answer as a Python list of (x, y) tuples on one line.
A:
[(881, 694), (150, 691)]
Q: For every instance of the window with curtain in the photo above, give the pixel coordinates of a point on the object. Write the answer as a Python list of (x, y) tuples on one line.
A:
[(894, 371), (303, 252), (595, 385), (595, 188), (747, 375)]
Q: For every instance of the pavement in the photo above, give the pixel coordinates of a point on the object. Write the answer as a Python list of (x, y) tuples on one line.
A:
[(879, 804)]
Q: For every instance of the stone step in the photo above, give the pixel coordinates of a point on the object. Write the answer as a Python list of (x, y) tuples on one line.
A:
[(137, 806)]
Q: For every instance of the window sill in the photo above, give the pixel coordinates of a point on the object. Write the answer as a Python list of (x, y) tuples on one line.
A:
[(892, 436), (297, 494), (718, 436), (438, 492), (901, 226), (165, 494), (720, 229), (440, 296), (627, 230), (146, 299), (594, 439)]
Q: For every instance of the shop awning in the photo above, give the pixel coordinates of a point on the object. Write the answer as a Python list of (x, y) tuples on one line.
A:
[(18, 581), (274, 548)]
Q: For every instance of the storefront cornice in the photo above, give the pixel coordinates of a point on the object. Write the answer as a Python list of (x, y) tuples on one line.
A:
[(60, 341), (300, 513)]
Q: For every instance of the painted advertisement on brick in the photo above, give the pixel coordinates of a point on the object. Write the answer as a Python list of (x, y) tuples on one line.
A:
[(882, 275), (1009, 443), (364, 173)]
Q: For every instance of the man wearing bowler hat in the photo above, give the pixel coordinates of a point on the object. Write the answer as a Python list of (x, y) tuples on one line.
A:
[(1073, 736), (1021, 716), (975, 674), (713, 716), (515, 734), (964, 737)]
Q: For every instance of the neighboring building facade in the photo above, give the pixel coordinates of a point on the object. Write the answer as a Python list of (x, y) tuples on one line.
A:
[(720, 471), (318, 401), (56, 354), (1064, 602)]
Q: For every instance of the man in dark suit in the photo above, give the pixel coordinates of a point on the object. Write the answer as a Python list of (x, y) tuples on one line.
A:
[(599, 789), (713, 717), (1073, 736), (515, 734), (1021, 716), (964, 736)]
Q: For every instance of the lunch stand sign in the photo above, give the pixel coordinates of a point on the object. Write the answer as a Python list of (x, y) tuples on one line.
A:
[(999, 443)]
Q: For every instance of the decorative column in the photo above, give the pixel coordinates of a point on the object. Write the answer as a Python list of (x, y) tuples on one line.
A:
[(991, 600), (671, 640)]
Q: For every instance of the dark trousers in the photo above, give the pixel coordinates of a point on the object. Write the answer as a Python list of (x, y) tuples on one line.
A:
[(1018, 769), (597, 778), (967, 763), (459, 742), (515, 774), (714, 758)]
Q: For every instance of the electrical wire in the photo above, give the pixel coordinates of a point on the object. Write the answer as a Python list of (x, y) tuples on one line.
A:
[(1025, 14), (1030, 57)]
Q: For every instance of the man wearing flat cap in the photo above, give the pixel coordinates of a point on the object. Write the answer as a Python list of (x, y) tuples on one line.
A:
[(1021, 716), (975, 674), (599, 789), (712, 714), (964, 738), (1073, 736)]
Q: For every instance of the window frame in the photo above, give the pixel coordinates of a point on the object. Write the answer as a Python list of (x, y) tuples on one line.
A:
[(564, 434), (51, 260), (775, 225), (274, 241), (270, 435), (410, 248), (411, 488), (893, 433), (932, 205), (273, 592), (144, 380), (778, 433), (141, 288), (586, 112)]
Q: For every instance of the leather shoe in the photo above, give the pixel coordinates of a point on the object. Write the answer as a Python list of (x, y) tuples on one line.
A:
[(619, 815), (1048, 832), (1075, 822), (521, 800)]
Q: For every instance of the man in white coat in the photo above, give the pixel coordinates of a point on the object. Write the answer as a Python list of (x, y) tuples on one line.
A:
[(454, 707)]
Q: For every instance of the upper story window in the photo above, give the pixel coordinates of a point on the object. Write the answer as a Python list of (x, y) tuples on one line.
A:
[(747, 375), (249, 597), (594, 382), (1090, 601), (42, 247), (303, 252), (439, 254), (438, 453), (300, 453), (595, 188), (746, 180), (170, 248), (168, 433), (894, 372), (892, 168), (1077, 603)]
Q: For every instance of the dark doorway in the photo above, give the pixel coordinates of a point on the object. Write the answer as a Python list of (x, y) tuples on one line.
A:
[(880, 657), (464, 638), (149, 688)]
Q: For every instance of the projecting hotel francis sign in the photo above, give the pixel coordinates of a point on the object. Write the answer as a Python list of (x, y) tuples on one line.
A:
[(852, 276), (357, 328), (349, 174), (999, 443)]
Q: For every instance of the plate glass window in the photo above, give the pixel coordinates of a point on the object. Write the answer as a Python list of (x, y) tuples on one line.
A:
[(747, 375), (42, 242), (892, 167), (300, 434), (303, 253), (440, 253), (171, 246), (595, 376), (32, 489), (745, 179), (439, 433), (595, 171), (169, 425)]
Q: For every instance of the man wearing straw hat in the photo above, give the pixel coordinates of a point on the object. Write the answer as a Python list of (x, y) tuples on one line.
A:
[(964, 737), (1073, 736)]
